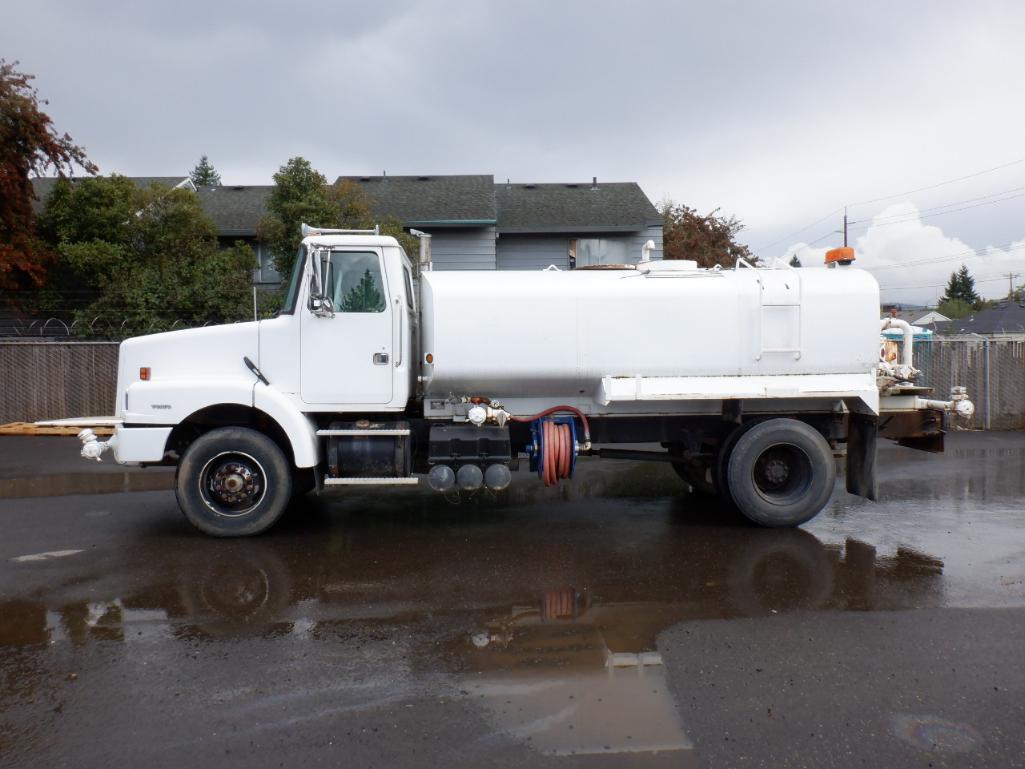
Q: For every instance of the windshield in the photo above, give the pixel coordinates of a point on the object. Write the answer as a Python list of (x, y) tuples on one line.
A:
[(288, 304)]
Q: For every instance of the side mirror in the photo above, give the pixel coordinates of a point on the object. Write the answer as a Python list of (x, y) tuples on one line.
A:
[(320, 304), (322, 307)]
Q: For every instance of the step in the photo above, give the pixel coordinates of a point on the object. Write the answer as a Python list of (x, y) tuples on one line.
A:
[(388, 431), (411, 481)]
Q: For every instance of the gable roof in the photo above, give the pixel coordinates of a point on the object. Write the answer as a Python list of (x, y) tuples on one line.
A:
[(235, 209), (43, 186), (1006, 318), (439, 201), (584, 207)]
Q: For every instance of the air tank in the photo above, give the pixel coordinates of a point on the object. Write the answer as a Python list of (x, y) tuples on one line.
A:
[(556, 334)]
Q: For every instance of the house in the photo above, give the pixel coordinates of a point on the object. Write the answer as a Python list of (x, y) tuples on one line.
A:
[(478, 225), (1008, 317), (916, 316), (474, 223)]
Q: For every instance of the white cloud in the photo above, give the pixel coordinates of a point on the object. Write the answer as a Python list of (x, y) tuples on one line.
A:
[(913, 261)]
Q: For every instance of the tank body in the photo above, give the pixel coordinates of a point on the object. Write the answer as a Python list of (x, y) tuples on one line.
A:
[(557, 334)]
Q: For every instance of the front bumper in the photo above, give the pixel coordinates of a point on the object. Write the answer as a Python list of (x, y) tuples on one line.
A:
[(130, 445)]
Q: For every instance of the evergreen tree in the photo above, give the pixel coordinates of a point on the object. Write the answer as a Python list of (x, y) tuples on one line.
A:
[(794, 261), (204, 174), (961, 288), (365, 297)]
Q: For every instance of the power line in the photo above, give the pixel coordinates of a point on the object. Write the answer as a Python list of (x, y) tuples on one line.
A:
[(890, 197), (960, 255), (940, 184), (921, 211), (939, 285), (798, 232)]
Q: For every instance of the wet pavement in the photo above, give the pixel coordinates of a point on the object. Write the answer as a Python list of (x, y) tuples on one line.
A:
[(610, 622)]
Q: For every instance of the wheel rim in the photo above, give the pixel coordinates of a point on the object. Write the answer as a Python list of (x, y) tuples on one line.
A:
[(783, 474), (232, 484)]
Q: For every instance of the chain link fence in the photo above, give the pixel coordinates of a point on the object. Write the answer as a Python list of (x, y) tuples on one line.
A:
[(991, 367), (57, 378)]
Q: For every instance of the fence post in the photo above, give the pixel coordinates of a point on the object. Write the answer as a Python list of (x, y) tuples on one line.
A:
[(988, 377)]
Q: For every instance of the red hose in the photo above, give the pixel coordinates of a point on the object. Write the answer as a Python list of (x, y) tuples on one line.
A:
[(572, 410), (557, 454)]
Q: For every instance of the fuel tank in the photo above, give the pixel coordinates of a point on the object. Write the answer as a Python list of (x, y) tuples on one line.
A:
[(558, 333)]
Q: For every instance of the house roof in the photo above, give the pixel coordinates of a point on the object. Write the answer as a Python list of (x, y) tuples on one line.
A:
[(43, 186), (443, 201), (439, 201), (1006, 318), (922, 315), (582, 207), (235, 210)]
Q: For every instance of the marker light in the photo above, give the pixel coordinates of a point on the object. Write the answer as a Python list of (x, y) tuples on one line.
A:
[(144, 373)]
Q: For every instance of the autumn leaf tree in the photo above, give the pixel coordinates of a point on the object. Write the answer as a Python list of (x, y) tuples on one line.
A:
[(709, 239), (30, 146)]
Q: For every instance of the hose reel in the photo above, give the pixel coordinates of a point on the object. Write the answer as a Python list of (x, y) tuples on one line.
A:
[(553, 448)]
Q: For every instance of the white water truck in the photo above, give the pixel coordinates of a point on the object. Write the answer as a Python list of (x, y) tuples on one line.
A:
[(753, 380)]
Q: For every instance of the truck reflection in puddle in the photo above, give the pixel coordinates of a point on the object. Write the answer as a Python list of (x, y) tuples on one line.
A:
[(579, 673)]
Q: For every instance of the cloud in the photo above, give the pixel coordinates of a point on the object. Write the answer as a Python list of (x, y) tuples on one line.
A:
[(913, 261)]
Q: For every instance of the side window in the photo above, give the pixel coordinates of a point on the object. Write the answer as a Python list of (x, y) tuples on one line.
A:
[(355, 283), (409, 289)]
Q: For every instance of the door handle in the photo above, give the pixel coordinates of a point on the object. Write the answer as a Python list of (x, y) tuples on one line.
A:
[(380, 358)]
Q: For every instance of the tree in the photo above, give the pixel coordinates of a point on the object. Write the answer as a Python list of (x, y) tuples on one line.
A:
[(145, 257), (794, 261), (29, 146), (302, 194), (961, 287), (708, 239), (204, 174), (954, 308), (364, 297)]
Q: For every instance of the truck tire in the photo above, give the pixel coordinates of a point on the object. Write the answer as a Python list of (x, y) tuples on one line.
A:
[(233, 482), (780, 473)]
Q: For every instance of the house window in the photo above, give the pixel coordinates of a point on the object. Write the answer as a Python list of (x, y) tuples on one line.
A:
[(588, 251)]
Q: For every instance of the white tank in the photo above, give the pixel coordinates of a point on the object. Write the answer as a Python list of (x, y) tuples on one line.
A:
[(556, 335)]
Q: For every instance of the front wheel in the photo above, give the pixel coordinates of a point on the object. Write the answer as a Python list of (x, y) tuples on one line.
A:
[(233, 482), (781, 473)]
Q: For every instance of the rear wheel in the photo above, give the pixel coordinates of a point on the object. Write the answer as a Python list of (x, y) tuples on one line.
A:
[(780, 473), (233, 482)]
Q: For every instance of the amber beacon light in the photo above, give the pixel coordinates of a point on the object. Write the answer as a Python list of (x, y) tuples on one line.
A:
[(842, 255)]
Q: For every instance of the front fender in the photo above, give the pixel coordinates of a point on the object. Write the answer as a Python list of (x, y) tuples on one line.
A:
[(300, 429), (172, 401)]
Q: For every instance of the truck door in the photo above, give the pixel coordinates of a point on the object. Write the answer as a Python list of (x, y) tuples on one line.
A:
[(346, 358)]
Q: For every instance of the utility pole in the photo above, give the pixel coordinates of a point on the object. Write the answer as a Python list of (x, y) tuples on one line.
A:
[(1010, 283), (845, 226)]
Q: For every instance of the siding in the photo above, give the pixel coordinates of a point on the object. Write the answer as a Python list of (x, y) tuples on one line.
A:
[(531, 252), (535, 252), (463, 249)]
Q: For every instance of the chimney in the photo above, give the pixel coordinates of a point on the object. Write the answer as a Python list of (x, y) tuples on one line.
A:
[(594, 182)]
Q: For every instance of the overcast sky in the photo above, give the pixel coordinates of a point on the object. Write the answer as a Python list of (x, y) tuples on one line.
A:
[(777, 112)]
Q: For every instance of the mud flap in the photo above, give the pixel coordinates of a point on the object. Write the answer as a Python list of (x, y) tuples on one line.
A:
[(862, 432)]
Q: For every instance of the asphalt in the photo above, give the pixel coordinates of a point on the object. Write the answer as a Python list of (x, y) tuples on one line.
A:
[(613, 621)]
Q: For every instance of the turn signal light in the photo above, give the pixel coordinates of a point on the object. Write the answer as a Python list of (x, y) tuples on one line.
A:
[(144, 373), (429, 358)]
